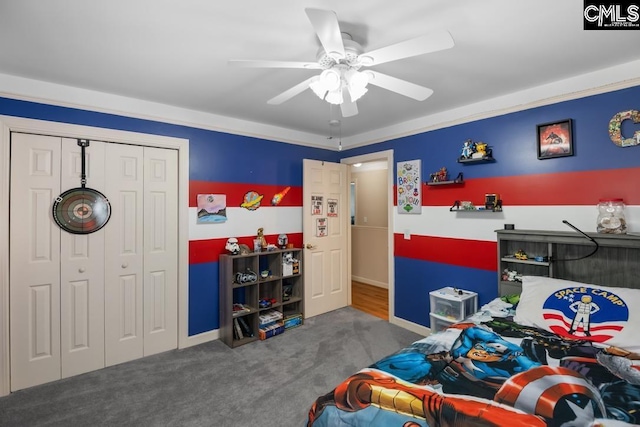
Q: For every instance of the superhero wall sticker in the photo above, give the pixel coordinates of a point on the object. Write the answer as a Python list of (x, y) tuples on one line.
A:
[(409, 187), (585, 312)]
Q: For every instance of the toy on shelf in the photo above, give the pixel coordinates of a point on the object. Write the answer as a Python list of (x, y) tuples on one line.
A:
[(283, 240), (261, 239), (475, 151), (521, 255), (440, 176), (232, 246)]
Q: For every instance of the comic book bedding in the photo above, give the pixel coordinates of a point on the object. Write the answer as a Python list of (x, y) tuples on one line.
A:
[(571, 360)]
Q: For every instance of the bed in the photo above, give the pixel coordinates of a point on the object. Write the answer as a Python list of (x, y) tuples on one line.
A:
[(567, 355)]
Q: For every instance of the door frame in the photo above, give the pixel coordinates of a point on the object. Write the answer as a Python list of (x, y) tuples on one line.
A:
[(10, 124), (387, 156)]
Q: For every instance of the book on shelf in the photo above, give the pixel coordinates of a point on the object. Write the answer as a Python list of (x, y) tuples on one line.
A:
[(239, 309), (244, 325), (237, 330)]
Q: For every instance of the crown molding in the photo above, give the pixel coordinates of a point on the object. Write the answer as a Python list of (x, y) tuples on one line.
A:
[(597, 82)]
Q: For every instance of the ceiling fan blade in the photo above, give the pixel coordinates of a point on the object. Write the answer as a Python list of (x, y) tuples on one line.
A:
[(428, 43), (403, 87), (290, 93), (248, 63), (325, 22), (348, 107)]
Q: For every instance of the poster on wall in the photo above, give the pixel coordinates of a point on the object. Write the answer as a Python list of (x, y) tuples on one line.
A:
[(322, 226), (316, 205), (409, 187), (332, 207), (212, 208)]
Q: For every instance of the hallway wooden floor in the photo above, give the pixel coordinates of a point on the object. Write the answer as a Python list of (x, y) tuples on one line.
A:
[(370, 299)]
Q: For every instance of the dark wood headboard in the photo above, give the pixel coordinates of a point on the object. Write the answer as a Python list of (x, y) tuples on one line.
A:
[(616, 263)]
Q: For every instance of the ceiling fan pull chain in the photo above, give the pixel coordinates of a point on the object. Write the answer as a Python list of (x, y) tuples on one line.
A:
[(83, 143)]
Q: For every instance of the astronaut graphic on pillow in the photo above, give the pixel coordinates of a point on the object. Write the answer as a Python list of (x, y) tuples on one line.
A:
[(583, 309)]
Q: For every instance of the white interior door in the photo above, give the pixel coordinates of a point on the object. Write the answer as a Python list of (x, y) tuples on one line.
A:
[(34, 268), (82, 270), (160, 250), (124, 254), (325, 266)]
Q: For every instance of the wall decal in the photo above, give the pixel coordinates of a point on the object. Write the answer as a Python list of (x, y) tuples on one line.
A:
[(615, 131), (212, 208), (277, 198), (409, 187), (252, 201)]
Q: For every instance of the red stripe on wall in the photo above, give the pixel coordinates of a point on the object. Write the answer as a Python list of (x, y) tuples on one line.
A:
[(478, 254), (235, 193), (565, 188), (209, 250)]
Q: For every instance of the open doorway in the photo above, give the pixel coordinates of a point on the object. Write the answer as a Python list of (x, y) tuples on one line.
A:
[(371, 233)]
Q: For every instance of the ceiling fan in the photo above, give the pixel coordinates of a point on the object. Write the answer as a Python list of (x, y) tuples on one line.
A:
[(341, 59)]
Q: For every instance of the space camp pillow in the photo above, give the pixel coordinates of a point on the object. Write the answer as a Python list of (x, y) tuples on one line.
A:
[(601, 314)]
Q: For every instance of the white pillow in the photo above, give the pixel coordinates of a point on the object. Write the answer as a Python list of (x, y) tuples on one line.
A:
[(578, 310)]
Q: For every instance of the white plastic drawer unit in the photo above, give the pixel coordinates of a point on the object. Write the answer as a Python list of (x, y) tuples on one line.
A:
[(438, 324), (453, 304)]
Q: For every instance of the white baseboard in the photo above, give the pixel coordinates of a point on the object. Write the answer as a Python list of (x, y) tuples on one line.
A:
[(413, 327), (202, 338), (370, 282)]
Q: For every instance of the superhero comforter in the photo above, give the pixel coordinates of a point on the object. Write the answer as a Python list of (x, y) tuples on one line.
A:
[(497, 373)]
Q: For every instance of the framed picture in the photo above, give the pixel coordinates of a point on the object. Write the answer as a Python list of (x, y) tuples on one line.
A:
[(554, 139)]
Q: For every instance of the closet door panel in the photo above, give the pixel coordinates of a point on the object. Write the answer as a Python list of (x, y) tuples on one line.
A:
[(124, 254), (82, 269), (160, 250), (34, 268)]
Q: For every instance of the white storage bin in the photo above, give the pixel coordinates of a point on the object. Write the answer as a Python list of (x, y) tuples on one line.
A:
[(438, 324), (453, 304)]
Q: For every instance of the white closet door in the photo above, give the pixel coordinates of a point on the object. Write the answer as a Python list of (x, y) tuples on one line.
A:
[(82, 270), (124, 254), (35, 261), (160, 250)]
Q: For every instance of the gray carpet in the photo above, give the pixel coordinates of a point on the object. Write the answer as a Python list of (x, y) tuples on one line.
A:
[(266, 383)]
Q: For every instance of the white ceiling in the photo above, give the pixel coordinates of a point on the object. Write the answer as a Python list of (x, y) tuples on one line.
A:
[(175, 52)]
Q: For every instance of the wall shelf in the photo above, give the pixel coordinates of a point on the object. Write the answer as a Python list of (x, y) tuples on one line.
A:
[(459, 180), (456, 208), (484, 159), (454, 182)]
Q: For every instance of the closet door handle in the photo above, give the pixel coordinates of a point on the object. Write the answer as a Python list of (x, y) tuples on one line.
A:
[(81, 270), (125, 265)]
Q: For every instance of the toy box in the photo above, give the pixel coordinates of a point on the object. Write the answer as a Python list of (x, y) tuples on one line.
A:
[(272, 330), (292, 320), (290, 265), (269, 317)]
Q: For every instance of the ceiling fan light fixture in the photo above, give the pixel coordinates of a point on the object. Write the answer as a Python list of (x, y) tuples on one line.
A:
[(318, 87), (365, 60), (334, 97), (331, 79), (356, 84)]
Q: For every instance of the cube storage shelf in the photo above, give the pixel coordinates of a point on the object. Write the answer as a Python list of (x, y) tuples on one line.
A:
[(450, 305), (286, 292)]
